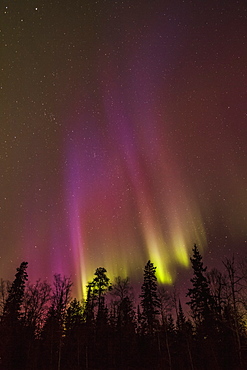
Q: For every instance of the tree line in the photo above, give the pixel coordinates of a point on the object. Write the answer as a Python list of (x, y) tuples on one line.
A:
[(43, 327)]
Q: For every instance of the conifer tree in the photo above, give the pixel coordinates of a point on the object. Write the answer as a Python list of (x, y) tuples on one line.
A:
[(74, 315), (75, 342), (203, 313), (101, 284), (96, 290), (13, 351), (12, 308), (201, 301), (150, 301)]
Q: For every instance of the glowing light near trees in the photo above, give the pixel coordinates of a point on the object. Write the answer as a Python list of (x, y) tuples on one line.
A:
[(127, 206), (123, 137)]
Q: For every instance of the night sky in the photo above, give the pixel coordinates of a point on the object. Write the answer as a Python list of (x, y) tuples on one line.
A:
[(123, 133)]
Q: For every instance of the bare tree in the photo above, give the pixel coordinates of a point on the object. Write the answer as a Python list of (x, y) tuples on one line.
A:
[(121, 292), (36, 304), (235, 288), (61, 294), (218, 288), (121, 288), (53, 330)]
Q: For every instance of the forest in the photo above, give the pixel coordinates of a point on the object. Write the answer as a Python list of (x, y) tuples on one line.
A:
[(43, 327)]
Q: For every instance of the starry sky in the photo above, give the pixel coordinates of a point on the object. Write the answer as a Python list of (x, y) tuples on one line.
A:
[(123, 132)]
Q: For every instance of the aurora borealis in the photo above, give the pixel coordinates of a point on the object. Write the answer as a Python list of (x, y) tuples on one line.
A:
[(123, 135)]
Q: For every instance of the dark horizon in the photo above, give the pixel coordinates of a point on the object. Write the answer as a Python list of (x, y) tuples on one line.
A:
[(123, 136), (43, 327)]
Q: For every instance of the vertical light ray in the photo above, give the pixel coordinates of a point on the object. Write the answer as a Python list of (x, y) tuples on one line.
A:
[(74, 188)]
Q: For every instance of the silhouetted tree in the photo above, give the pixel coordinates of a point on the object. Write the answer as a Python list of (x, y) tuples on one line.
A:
[(184, 340), (201, 300), (232, 310), (74, 315), (96, 315), (125, 329), (13, 349), (149, 325), (36, 304), (121, 289), (75, 344), (150, 301), (53, 330), (41, 328), (101, 284), (12, 307), (121, 293), (204, 314), (218, 289)]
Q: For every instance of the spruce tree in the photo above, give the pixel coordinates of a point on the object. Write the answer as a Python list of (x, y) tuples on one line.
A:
[(201, 301), (13, 351), (12, 308), (150, 302), (203, 312)]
